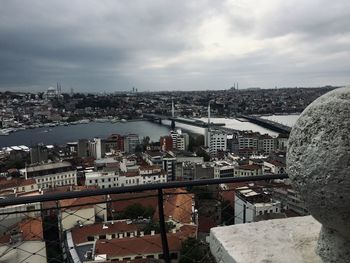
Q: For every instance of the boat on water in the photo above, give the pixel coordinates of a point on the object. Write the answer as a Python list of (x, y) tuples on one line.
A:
[(84, 121)]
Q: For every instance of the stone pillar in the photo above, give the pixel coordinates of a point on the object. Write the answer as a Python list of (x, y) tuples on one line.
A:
[(318, 163)]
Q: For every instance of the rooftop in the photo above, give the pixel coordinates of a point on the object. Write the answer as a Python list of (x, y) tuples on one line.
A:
[(278, 240)]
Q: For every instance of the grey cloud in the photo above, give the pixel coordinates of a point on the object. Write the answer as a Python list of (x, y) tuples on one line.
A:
[(108, 45)]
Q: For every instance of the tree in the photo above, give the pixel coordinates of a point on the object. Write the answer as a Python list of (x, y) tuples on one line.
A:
[(135, 211), (156, 227), (191, 251), (227, 213)]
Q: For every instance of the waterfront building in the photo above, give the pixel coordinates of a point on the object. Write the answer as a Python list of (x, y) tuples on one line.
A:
[(130, 143), (96, 148), (83, 148), (38, 154)]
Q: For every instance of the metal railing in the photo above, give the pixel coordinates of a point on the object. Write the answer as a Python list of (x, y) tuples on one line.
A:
[(158, 193)]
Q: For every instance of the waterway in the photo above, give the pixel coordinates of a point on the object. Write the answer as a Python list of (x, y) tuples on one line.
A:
[(64, 134)]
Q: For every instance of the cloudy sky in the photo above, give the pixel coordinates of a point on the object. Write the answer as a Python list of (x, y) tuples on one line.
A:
[(114, 45)]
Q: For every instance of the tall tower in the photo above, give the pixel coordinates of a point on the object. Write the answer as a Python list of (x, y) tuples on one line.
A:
[(208, 113), (172, 109), (172, 115), (207, 130)]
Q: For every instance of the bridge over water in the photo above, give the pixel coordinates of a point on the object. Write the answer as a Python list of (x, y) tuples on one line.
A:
[(193, 122), (271, 125)]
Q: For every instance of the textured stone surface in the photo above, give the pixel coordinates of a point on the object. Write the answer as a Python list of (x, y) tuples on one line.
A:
[(288, 240), (318, 163)]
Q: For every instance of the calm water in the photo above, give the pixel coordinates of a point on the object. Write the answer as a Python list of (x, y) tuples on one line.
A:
[(64, 134)]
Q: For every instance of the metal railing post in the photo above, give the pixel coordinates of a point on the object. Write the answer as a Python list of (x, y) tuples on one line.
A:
[(162, 227)]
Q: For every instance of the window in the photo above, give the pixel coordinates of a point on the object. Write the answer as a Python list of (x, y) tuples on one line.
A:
[(102, 237), (91, 238)]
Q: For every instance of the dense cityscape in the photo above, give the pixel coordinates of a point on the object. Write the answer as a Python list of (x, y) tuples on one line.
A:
[(54, 107), (174, 131), (122, 160)]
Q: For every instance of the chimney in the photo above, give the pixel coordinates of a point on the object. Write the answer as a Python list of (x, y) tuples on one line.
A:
[(173, 230), (152, 233)]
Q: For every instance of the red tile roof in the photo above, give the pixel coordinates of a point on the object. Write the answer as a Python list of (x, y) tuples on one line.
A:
[(80, 234), (82, 202), (177, 203), (143, 245)]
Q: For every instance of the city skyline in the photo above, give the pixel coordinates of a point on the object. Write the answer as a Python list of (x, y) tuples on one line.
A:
[(92, 46)]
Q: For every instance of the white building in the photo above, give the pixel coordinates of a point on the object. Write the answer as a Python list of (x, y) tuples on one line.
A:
[(217, 141), (180, 140), (275, 167), (51, 175), (224, 169), (248, 141), (128, 165), (144, 175), (250, 204), (152, 174), (248, 170), (95, 148), (267, 143), (102, 179)]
